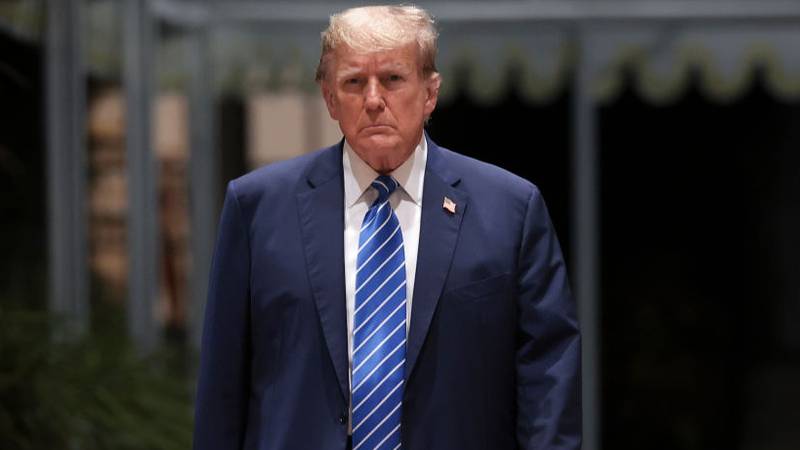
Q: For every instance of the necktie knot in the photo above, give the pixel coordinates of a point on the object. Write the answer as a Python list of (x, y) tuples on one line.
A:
[(385, 185)]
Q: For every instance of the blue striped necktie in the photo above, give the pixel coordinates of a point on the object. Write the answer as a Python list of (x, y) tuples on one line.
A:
[(379, 326)]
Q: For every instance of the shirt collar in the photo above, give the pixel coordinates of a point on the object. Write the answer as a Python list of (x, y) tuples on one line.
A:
[(358, 175)]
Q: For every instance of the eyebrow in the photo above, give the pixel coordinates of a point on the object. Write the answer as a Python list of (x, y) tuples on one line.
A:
[(350, 71), (347, 72), (395, 66)]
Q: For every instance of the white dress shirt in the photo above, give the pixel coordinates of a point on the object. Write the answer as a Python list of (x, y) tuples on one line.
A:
[(406, 202)]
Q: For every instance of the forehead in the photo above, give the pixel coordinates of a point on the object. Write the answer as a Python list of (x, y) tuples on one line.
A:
[(405, 57)]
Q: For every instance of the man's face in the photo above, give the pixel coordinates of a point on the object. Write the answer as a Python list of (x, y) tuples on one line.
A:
[(381, 101)]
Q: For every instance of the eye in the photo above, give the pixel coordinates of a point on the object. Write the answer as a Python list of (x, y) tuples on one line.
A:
[(394, 77), (351, 81)]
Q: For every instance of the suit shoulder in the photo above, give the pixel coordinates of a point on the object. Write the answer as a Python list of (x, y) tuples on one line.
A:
[(488, 177), (277, 178), (279, 173)]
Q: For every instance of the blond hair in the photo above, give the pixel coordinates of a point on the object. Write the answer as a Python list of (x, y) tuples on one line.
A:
[(379, 28)]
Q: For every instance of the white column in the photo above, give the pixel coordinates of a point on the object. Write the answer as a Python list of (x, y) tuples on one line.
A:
[(66, 163), (143, 205), (586, 238)]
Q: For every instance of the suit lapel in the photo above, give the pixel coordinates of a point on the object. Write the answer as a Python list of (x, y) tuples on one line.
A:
[(437, 241), (320, 207)]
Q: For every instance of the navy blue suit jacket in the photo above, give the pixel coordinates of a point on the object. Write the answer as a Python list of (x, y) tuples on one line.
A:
[(493, 353)]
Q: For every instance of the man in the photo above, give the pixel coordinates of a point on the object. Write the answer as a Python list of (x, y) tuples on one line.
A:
[(384, 292)]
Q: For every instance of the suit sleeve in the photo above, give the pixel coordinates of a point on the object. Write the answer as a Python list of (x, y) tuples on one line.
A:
[(221, 403), (548, 345)]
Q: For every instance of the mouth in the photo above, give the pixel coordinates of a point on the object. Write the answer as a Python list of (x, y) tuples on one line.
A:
[(377, 127)]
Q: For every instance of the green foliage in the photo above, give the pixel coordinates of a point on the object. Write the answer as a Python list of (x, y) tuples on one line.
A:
[(87, 393)]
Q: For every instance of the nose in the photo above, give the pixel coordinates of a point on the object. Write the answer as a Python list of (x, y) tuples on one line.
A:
[(374, 100)]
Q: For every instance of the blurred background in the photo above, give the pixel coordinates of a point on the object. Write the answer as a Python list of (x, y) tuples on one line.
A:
[(664, 134)]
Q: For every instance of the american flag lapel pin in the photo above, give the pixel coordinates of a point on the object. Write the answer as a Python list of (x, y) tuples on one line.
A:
[(449, 205)]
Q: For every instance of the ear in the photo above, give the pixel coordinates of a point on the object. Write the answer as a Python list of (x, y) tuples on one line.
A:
[(330, 99), (432, 92)]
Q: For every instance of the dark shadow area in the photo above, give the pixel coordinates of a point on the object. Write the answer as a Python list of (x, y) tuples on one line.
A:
[(23, 244), (232, 129), (700, 250)]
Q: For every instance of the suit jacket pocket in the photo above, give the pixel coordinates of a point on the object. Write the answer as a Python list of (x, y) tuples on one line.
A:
[(481, 289)]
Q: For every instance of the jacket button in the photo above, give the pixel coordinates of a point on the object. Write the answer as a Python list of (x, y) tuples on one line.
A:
[(343, 419)]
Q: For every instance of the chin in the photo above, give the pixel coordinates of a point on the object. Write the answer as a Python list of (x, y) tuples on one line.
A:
[(380, 145), (382, 152), (383, 160), (381, 140)]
